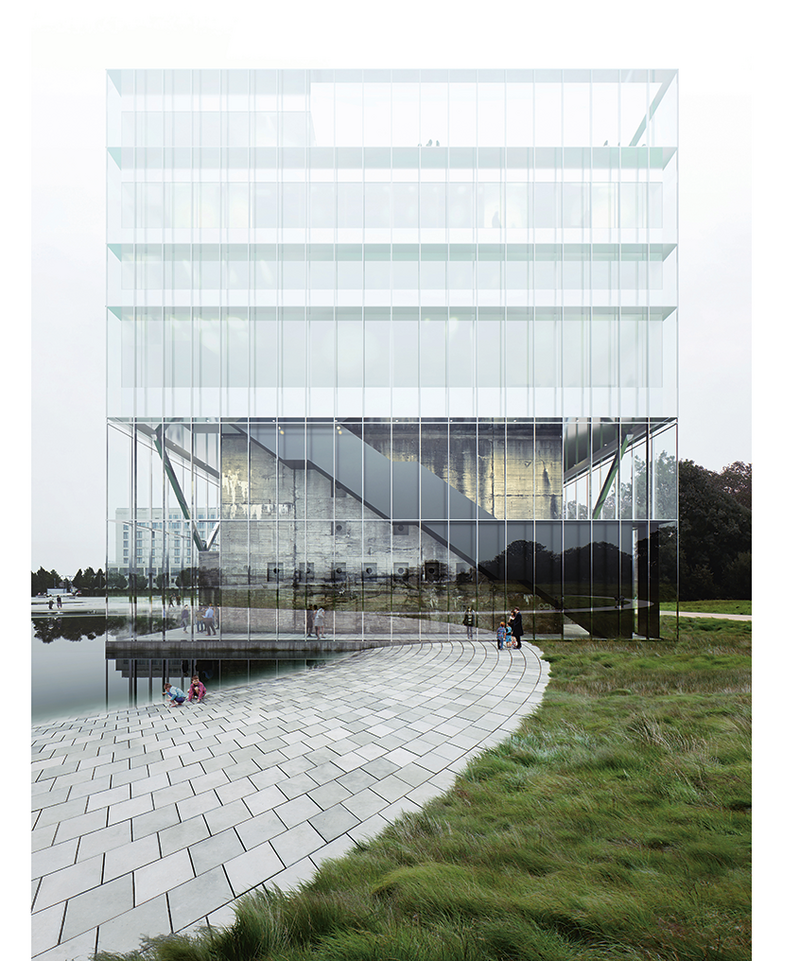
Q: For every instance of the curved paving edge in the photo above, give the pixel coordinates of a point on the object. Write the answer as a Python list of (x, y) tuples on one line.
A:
[(151, 820)]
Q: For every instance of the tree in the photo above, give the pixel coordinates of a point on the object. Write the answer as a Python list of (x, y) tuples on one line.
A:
[(714, 537), (117, 581), (737, 480), (41, 580)]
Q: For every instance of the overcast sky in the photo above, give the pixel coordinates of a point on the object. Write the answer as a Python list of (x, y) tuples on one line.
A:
[(74, 44)]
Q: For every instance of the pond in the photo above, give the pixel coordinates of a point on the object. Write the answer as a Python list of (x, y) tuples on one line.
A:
[(71, 675)]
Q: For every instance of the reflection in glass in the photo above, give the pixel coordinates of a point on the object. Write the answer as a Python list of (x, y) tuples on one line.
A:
[(391, 343)]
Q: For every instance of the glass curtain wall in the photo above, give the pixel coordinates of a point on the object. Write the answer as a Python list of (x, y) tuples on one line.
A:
[(394, 343)]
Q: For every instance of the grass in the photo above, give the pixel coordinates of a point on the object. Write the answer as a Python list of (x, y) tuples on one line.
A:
[(711, 607), (614, 824)]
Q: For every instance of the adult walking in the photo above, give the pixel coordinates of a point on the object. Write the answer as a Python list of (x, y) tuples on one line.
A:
[(208, 619), (469, 622), (515, 623)]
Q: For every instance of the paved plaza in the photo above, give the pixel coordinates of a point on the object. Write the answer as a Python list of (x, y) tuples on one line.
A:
[(154, 819)]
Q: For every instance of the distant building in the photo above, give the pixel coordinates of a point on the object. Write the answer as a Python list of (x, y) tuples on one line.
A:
[(391, 378), (146, 548)]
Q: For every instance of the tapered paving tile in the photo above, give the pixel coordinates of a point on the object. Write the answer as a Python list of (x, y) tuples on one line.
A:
[(253, 867), (160, 876), (83, 824), (297, 810), (328, 794), (58, 813), (48, 798), (295, 786), (54, 858), (75, 948), (356, 780), (131, 856), (46, 927), (265, 800), (256, 830), (333, 822), (156, 820), (103, 840), (296, 843), (125, 932), (365, 803), (227, 815), (194, 899), (68, 882), (217, 849), (199, 804), (88, 910)]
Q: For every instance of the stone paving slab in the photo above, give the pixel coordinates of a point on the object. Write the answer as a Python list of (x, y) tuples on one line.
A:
[(153, 820)]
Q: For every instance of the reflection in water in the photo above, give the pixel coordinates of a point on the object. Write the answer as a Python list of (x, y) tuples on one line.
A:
[(74, 627), (71, 675)]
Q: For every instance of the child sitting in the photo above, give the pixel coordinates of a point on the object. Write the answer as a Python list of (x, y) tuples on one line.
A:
[(197, 689), (175, 694)]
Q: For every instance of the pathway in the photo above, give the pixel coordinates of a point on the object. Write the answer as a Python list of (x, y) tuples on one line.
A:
[(152, 820), (724, 617)]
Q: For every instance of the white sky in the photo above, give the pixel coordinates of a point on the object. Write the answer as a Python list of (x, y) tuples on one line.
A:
[(734, 74)]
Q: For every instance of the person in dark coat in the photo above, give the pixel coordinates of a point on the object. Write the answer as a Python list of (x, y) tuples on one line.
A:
[(515, 623), (469, 622)]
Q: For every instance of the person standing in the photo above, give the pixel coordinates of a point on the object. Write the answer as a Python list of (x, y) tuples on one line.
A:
[(310, 622), (469, 622), (185, 618), (515, 623), (319, 623)]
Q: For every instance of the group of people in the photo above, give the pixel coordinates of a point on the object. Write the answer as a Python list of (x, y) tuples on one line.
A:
[(176, 696), (315, 622), (509, 633), (205, 619)]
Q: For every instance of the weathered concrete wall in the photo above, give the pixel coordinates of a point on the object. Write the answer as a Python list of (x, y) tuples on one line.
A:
[(325, 534)]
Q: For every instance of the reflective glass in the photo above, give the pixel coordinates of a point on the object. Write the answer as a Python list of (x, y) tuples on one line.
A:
[(334, 295)]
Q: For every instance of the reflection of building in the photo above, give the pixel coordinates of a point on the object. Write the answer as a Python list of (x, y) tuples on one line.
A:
[(403, 377), (145, 547)]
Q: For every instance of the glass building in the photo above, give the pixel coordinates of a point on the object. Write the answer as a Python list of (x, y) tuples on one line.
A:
[(395, 343)]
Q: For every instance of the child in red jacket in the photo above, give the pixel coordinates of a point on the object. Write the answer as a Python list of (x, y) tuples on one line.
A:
[(197, 689)]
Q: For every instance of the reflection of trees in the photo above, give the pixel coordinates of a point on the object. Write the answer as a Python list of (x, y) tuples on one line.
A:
[(633, 499), (75, 627)]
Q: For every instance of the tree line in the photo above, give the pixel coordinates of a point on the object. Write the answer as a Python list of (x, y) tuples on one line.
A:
[(715, 532), (88, 580)]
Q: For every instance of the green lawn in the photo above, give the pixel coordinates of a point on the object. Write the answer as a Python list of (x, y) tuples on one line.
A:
[(711, 607), (615, 824)]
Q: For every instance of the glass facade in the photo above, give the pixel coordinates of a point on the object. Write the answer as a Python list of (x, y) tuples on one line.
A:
[(394, 343)]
